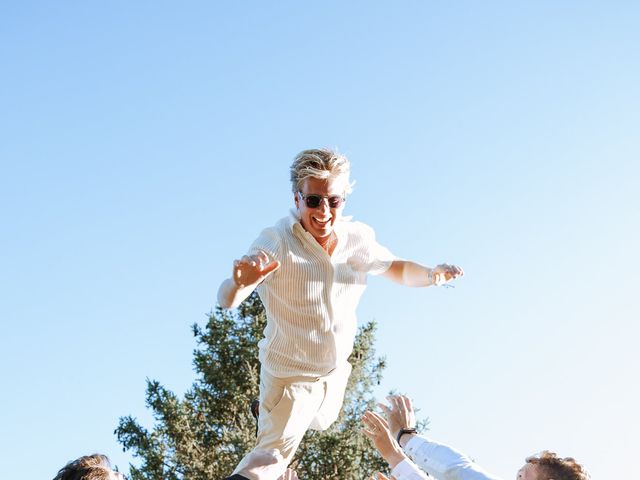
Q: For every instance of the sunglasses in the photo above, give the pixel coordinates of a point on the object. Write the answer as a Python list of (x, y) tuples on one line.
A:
[(314, 201)]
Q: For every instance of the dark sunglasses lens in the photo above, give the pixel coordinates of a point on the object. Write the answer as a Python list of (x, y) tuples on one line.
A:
[(313, 201), (335, 202)]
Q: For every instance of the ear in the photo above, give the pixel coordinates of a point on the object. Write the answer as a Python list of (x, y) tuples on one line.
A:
[(296, 199)]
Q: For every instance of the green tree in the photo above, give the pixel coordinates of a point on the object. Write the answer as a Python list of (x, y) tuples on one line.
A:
[(205, 434)]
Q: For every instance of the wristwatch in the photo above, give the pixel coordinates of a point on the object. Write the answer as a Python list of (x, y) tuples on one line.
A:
[(404, 431)]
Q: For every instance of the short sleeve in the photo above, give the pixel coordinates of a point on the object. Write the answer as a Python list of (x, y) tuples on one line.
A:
[(378, 258), (269, 241)]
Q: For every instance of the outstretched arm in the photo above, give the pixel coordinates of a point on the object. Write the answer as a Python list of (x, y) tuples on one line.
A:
[(413, 274), (247, 274)]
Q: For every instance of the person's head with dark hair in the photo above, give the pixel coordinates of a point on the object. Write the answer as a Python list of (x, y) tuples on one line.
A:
[(549, 466), (89, 467)]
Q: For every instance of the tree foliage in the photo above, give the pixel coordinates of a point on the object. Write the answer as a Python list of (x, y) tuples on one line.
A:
[(205, 434)]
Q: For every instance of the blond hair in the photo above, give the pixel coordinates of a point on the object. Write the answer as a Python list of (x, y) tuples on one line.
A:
[(319, 163), (553, 467)]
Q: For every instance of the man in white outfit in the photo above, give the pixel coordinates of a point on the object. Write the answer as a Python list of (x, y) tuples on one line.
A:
[(310, 270), (411, 455)]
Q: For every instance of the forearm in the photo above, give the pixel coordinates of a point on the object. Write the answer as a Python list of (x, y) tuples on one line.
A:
[(231, 295), (394, 456), (410, 274), (442, 461)]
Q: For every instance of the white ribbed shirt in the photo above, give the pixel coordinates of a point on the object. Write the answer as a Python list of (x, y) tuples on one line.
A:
[(440, 461), (311, 299)]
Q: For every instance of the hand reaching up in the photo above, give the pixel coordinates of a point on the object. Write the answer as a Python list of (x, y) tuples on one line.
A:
[(401, 414), (252, 269), (377, 429), (290, 474)]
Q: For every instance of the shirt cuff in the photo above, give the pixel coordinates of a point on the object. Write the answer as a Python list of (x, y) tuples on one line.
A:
[(413, 445), (407, 470)]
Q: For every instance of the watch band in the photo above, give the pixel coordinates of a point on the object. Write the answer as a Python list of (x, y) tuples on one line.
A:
[(403, 431)]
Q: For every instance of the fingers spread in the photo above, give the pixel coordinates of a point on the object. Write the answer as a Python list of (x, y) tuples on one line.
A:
[(373, 424), (290, 474), (376, 420), (262, 256), (367, 433), (270, 267), (366, 419), (384, 408)]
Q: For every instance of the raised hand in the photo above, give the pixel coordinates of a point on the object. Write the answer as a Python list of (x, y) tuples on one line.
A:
[(252, 269), (377, 429), (290, 474), (401, 414), (444, 273)]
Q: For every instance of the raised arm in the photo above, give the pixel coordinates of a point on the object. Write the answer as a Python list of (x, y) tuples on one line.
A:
[(413, 274), (247, 274), (377, 429), (438, 460)]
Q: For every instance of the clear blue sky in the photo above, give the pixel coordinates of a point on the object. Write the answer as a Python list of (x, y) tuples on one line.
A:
[(144, 145)]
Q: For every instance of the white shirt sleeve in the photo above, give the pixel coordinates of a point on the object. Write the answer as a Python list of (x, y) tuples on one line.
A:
[(407, 470), (268, 242), (378, 259), (443, 462)]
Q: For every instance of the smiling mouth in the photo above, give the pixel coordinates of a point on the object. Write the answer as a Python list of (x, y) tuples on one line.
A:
[(322, 223)]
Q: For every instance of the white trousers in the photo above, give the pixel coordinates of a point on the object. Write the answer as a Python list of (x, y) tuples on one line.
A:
[(288, 408)]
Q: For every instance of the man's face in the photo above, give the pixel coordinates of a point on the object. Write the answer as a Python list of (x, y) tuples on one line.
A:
[(319, 222), (529, 471)]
